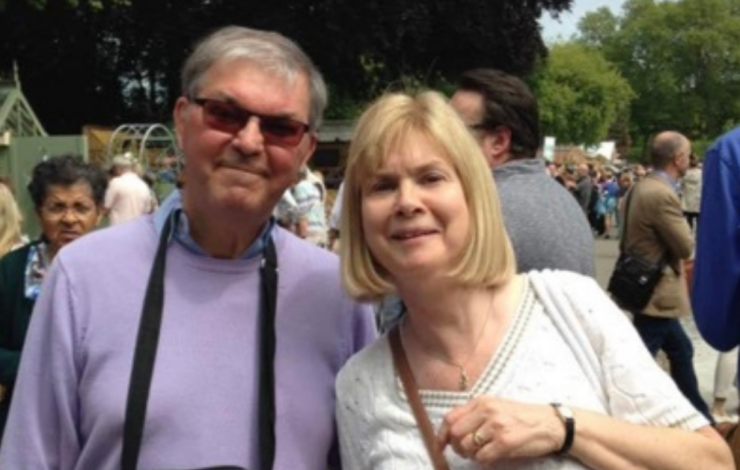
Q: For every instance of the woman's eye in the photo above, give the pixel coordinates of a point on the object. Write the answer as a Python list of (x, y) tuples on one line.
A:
[(381, 186), (432, 178)]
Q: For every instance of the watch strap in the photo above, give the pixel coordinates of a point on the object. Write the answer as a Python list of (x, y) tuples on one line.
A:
[(566, 416)]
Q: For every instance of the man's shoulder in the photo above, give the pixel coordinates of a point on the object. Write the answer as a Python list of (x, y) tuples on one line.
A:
[(538, 187), (299, 252), (111, 244), (654, 189)]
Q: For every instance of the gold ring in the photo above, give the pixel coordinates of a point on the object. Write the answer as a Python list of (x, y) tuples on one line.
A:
[(478, 440)]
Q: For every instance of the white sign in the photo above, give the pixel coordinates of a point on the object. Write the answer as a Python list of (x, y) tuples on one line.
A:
[(548, 150)]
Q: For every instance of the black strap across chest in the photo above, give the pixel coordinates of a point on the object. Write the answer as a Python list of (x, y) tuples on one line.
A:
[(146, 352)]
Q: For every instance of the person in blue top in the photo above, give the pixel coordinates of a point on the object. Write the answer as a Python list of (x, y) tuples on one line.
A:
[(716, 285)]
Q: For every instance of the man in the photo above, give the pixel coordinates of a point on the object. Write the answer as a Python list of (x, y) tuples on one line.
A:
[(546, 227), (716, 290), (334, 218), (584, 190), (656, 230), (128, 196), (254, 324)]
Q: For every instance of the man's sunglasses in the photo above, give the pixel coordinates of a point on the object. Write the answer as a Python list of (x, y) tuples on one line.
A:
[(228, 117)]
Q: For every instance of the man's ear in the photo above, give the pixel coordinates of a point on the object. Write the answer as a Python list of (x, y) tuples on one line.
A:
[(497, 146), (502, 139), (179, 115)]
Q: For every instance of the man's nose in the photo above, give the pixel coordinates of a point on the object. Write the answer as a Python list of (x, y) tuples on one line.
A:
[(250, 139)]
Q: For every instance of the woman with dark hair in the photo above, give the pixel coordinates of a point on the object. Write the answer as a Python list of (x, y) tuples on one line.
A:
[(68, 196)]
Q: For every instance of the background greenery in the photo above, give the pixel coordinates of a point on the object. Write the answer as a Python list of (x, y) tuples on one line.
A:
[(625, 75)]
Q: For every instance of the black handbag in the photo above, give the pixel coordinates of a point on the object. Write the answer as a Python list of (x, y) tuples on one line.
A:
[(633, 280)]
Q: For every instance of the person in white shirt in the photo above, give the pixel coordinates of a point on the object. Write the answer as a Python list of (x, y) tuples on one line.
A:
[(128, 196)]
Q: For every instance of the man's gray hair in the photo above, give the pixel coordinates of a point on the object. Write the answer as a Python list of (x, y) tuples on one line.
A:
[(269, 50), (665, 147)]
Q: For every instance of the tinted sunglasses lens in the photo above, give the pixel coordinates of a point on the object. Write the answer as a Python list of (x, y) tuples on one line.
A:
[(282, 131), (224, 116)]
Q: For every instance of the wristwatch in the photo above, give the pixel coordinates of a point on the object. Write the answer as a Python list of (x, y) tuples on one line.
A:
[(566, 416)]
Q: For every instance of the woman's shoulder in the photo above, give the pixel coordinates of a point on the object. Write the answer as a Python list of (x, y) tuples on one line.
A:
[(16, 256), (365, 367), (567, 281)]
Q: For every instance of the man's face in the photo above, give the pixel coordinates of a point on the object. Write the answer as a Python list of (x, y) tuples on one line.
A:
[(239, 173), (683, 159), (469, 106)]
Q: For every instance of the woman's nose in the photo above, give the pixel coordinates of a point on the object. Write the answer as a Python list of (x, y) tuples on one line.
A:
[(408, 202)]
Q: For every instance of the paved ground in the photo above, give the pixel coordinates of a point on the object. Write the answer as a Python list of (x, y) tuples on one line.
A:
[(705, 358)]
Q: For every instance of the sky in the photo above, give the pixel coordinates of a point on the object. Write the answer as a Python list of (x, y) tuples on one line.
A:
[(567, 24)]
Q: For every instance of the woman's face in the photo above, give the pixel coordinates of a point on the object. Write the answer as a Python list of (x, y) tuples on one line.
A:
[(415, 216), (67, 213)]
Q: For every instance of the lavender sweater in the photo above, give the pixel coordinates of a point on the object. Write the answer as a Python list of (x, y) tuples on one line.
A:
[(69, 401)]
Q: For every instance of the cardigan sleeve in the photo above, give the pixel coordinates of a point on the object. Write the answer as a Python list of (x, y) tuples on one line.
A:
[(626, 365)]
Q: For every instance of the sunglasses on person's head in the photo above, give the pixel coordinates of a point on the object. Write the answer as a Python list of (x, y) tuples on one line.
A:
[(231, 118)]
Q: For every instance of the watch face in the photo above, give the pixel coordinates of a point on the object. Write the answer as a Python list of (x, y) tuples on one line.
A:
[(566, 412)]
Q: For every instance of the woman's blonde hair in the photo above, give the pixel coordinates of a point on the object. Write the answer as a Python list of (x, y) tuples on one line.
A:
[(10, 221), (385, 127)]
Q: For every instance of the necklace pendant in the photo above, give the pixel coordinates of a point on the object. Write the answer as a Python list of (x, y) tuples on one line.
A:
[(463, 383)]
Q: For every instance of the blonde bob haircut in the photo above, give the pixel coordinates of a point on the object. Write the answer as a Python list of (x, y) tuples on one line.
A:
[(384, 128)]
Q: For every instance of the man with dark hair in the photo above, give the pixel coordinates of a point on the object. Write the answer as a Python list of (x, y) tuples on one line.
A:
[(546, 226), (656, 231)]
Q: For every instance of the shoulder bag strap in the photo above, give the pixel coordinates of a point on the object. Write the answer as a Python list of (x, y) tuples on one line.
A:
[(269, 285), (144, 356), (623, 235), (412, 394), (664, 259), (146, 352)]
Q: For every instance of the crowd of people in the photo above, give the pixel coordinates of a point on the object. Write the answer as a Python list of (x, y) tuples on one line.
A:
[(217, 330)]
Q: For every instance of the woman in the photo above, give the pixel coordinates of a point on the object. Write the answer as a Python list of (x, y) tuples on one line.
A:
[(68, 198), (532, 371), (691, 191), (10, 221)]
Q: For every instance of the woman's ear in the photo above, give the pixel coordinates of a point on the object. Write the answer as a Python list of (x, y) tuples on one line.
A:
[(101, 214)]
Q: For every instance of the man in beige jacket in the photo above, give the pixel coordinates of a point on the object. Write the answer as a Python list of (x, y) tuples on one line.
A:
[(657, 230)]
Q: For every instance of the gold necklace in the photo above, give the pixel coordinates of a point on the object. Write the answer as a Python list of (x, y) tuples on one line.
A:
[(462, 383)]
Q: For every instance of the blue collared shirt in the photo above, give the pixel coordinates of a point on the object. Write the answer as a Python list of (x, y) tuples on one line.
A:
[(172, 208), (667, 178)]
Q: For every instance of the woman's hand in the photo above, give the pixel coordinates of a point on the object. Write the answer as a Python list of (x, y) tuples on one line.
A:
[(488, 429)]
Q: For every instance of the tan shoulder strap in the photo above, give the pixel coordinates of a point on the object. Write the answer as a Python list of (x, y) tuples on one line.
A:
[(412, 393)]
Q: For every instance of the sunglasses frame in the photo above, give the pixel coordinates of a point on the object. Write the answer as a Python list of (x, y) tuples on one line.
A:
[(266, 123)]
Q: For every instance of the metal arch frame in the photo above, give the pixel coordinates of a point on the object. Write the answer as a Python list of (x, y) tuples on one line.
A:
[(140, 134)]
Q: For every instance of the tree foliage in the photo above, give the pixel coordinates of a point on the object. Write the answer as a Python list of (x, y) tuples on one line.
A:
[(110, 61), (681, 58), (581, 95)]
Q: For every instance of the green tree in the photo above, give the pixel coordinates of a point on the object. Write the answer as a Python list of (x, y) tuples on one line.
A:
[(581, 95), (681, 59), (108, 61)]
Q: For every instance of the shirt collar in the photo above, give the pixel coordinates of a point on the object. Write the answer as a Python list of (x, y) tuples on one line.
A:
[(172, 208), (667, 178)]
